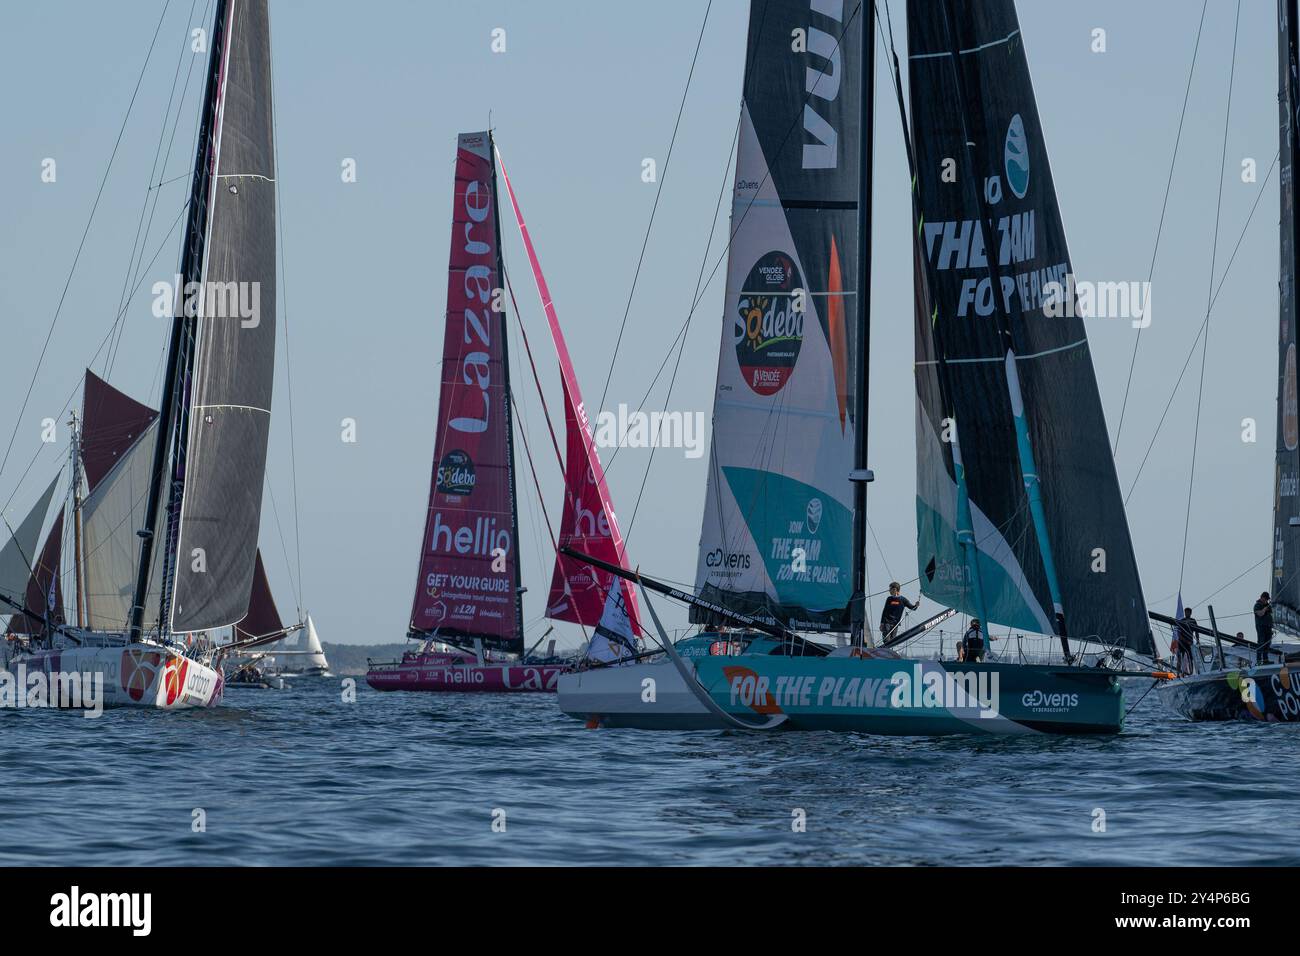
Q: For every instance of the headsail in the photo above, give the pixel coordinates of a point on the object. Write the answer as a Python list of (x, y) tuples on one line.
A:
[(776, 540), (117, 440), (469, 578), (1004, 360), (18, 556), (229, 411), (263, 616), (1286, 493), (579, 592), (44, 592)]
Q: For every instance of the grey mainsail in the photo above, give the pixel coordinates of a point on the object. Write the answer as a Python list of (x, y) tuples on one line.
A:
[(229, 403), (1035, 470)]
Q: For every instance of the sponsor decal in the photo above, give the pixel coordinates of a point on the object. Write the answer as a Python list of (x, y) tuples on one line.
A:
[(814, 514), (139, 668), (455, 475), (1290, 415), (730, 560), (769, 329), (924, 687), (1041, 702), (1015, 157)]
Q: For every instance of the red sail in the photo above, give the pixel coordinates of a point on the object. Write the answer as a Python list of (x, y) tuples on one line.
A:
[(468, 585), (578, 591), (111, 422), (263, 617)]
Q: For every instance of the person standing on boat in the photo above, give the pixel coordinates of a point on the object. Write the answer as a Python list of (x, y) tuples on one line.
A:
[(1184, 640), (972, 646), (1263, 628), (892, 613)]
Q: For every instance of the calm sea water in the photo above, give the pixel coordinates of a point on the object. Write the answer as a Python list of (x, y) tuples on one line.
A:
[(299, 777)]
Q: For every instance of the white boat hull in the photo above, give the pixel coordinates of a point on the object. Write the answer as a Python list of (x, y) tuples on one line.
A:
[(650, 696), (139, 675)]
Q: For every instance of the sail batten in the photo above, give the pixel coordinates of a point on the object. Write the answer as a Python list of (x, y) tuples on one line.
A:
[(777, 533), (1027, 520), (468, 580)]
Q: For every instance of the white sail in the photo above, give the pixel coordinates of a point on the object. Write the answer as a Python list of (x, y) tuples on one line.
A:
[(110, 517), (19, 553)]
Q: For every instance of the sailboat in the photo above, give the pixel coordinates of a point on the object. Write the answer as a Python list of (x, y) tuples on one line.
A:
[(303, 656), (467, 611), (186, 482), (1015, 483), (260, 633), (1268, 690)]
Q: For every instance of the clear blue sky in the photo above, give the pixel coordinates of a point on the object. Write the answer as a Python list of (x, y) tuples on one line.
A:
[(582, 94)]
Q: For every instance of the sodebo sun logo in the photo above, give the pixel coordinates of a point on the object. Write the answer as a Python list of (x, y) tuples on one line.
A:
[(1015, 157)]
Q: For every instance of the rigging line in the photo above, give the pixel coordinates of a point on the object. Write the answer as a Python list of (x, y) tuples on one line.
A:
[(519, 324), (288, 365), (1160, 226), (1192, 351), (682, 337), (82, 244), (690, 315), (541, 498), (1209, 300), (279, 528), (138, 244), (111, 360), (645, 242)]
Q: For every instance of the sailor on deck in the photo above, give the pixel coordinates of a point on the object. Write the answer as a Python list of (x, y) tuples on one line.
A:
[(1263, 628), (892, 613), (1184, 641), (971, 647)]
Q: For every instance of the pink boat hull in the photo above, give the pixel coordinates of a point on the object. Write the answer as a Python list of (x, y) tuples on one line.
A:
[(460, 674)]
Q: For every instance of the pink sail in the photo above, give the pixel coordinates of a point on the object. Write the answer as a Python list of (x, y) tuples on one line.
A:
[(469, 579), (578, 592)]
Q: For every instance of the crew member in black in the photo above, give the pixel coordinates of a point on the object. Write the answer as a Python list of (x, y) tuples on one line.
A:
[(1263, 628), (1184, 641), (892, 614), (972, 646)]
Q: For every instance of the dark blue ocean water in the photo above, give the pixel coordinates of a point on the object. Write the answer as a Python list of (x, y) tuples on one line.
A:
[(299, 777)]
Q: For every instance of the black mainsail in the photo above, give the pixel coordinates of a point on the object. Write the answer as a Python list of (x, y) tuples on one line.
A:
[(777, 540), (1286, 492), (211, 452), (1029, 483)]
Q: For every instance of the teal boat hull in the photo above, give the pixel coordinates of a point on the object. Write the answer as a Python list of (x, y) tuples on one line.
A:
[(874, 695)]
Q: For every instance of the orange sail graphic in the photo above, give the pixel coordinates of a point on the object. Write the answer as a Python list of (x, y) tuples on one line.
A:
[(837, 332)]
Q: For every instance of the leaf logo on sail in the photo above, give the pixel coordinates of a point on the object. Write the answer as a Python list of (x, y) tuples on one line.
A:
[(814, 514), (455, 473), (768, 329), (1015, 156)]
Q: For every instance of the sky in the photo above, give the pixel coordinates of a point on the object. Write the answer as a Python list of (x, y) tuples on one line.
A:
[(580, 96)]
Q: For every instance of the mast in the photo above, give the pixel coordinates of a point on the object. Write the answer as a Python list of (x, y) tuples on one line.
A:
[(861, 475), (509, 420), (179, 351), (74, 452), (1006, 332)]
